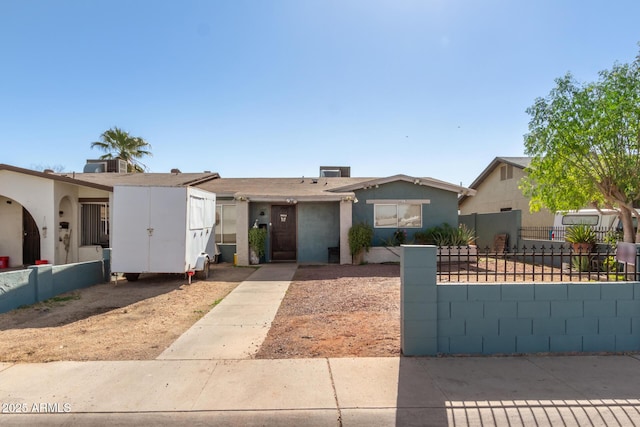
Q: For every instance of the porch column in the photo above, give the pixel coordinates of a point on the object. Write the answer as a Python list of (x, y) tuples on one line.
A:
[(346, 219), (242, 231)]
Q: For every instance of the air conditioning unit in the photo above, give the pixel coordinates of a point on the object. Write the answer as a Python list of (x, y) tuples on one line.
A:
[(330, 173), (111, 165), (335, 171), (122, 166), (93, 166)]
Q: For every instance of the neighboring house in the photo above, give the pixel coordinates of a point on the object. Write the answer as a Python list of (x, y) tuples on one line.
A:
[(63, 218), (307, 219), (497, 191)]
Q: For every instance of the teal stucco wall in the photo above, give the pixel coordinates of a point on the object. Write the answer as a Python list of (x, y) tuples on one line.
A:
[(512, 318), (487, 226), (40, 282), (318, 230), (443, 207)]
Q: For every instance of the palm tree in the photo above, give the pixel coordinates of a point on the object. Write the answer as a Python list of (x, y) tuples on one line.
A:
[(119, 144)]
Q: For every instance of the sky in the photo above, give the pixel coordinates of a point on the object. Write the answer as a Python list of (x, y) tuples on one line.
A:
[(277, 88)]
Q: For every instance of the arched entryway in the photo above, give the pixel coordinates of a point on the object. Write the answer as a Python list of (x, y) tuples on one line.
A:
[(30, 239)]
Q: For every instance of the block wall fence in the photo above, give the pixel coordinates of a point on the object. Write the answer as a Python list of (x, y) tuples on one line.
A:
[(512, 318), (41, 282)]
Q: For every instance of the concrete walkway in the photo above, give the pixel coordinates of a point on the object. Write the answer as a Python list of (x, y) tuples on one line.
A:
[(193, 384), (236, 328)]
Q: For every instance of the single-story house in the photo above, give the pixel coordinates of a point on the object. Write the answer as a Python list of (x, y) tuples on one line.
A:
[(496, 190), (64, 218), (307, 219)]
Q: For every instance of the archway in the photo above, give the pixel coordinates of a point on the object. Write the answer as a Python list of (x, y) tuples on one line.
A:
[(30, 239)]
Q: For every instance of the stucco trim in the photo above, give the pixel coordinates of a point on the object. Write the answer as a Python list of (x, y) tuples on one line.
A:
[(398, 201), (429, 182)]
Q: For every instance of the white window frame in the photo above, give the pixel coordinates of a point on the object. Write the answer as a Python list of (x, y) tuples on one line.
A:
[(101, 229), (220, 225), (396, 204)]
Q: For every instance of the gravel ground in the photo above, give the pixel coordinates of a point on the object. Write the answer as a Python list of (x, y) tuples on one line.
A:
[(338, 311)]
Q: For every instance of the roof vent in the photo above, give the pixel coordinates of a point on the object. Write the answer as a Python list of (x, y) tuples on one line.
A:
[(175, 170), (335, 171), (48, 171)]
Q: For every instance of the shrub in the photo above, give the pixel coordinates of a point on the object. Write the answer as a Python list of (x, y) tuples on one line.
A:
[(360, 237), (258, 240), (446, 235)]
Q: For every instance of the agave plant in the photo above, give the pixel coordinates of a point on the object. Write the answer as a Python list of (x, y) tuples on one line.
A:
[(581, 233)]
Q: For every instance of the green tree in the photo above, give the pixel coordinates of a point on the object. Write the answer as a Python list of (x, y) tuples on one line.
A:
[(585, 142), (120, 144)]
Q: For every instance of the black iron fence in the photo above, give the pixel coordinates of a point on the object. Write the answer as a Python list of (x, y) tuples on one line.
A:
[(558, 233), (534, 264)]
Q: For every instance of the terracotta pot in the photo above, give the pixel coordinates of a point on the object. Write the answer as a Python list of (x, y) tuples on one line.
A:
[(358, 258), (584, 248)]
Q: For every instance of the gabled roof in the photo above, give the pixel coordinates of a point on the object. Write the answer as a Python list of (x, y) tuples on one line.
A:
[(519, 162), (55, 177), (310, 189), (429, 182)]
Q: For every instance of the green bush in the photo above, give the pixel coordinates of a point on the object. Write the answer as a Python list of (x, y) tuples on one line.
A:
[(446, 235), (258, 240), (360, 237)]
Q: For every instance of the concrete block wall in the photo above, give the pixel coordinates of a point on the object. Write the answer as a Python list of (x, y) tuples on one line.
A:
[(514, 318), (41, 282)]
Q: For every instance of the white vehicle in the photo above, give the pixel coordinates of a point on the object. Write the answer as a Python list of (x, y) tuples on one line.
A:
[(162, 230), (603, 220)]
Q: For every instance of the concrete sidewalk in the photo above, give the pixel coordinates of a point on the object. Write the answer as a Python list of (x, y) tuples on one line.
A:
[(571, 390), (236, 328), (208, 378)]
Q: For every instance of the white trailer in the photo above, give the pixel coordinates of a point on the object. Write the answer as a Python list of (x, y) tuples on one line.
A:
[(162, 230)]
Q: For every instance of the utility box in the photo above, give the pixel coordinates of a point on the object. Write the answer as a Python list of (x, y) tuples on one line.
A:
[(162, 230)]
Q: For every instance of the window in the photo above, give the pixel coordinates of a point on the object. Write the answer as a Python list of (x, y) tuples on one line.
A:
[(506, 172), (580, 219), (226, 224), (94, 223), (197, 207), (397, 215)]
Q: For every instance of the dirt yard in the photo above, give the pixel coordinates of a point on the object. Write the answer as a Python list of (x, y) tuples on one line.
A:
[(329, 311), (338, 311), (127, 321)]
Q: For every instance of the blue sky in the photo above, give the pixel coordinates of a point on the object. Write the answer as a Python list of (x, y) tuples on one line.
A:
[(277, 88)]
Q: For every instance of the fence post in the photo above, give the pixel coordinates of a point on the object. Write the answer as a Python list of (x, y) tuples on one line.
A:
[(418, 301), (106, 264), (43, 282)]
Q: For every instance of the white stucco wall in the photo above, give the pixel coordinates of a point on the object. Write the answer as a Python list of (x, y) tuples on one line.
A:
[(242, 232), (346, 218), (11, 230), (37, 196), (49, 202), (494, 194)]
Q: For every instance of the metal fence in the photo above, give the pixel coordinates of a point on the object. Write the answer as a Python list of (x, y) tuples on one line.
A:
[(534, 264), (558, 233)]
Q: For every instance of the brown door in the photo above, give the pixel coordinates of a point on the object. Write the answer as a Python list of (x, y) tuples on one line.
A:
[(30, 239), (283, 233)]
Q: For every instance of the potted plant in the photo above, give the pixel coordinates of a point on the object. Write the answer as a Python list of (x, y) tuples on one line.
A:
[(257, 244), (360, 239), (582, 237)]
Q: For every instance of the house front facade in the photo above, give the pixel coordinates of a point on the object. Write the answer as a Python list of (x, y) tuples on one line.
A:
[(308, 219)]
